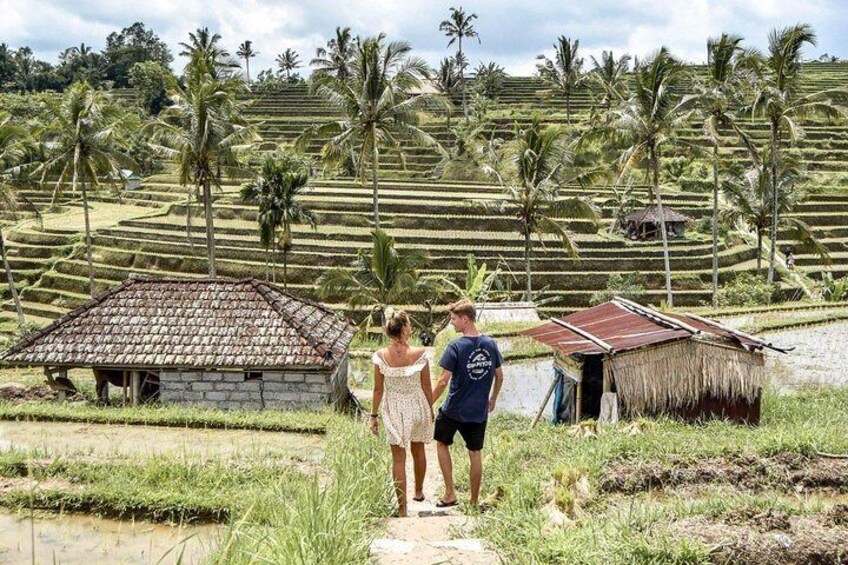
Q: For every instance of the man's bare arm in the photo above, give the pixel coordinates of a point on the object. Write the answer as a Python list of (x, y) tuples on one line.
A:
[(441, 385), (496, 388)]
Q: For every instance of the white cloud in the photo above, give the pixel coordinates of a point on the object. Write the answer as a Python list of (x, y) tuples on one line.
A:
[(512, 33)]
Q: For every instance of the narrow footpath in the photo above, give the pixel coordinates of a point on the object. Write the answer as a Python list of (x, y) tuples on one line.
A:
[(429, 535)]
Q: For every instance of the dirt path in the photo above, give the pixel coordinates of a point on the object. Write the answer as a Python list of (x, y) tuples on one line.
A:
[(429, 535)]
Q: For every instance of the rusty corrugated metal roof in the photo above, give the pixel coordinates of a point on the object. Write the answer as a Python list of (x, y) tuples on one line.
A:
[(622, 325)]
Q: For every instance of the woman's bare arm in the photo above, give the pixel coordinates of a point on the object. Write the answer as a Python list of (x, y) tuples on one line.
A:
[(376, 397), (427, 384)]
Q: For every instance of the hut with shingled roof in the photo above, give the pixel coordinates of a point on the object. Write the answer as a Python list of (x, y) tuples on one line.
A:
[(214, 342), (645, 224), (624, 356)]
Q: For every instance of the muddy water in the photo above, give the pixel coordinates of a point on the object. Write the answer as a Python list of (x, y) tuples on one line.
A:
[(118, 441), (68, 539)]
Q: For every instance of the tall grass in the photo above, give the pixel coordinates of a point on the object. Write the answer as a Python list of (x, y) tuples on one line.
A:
[(524, 470), (327, 522)]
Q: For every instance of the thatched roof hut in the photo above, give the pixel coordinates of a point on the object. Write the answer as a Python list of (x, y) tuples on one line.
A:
[(217, 342), (654, 362), (644, 224)]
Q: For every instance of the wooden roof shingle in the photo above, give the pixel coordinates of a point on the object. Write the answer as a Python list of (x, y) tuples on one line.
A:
[(190, 323)]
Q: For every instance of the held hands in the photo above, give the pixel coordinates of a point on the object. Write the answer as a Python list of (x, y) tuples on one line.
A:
[(372, 424)]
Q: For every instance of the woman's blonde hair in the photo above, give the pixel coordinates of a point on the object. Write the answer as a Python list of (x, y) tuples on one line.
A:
[(396, 320)]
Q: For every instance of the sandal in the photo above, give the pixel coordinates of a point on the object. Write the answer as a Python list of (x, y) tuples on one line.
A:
[(446, 503), (416, 499)]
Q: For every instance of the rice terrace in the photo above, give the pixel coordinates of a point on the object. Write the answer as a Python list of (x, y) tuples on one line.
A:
[(345, 283)]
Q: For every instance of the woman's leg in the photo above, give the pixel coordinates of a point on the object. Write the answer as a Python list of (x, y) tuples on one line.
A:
[(399, 477), (419, 462)]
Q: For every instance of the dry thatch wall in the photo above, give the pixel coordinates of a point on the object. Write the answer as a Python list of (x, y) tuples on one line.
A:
[(679, 374)]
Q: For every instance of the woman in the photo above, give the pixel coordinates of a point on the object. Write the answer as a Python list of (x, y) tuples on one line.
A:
[(403, 394)]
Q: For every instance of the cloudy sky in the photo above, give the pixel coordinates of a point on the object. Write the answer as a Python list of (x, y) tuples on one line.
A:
[(512, 33)]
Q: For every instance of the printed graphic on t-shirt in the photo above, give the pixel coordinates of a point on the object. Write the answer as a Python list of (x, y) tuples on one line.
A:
[(479, 364)]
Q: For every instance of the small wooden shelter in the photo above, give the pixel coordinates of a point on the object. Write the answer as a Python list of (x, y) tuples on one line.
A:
[(643, 362), (214, 342), (645, 224)]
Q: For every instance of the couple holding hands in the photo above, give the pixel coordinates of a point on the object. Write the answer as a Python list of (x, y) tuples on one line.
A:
[(404, 396)]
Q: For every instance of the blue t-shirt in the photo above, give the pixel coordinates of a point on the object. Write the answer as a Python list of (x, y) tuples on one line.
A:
[(472, 362)]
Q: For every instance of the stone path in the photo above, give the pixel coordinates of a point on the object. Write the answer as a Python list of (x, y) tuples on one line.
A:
[(429, 535)]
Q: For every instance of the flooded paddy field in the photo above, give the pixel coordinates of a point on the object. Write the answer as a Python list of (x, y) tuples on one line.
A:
[(820, 357), (104, 441), (69, 539)]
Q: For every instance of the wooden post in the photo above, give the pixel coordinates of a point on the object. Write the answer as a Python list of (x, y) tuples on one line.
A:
[(578, 404), (544, 402), (124, 385), (136, 386)]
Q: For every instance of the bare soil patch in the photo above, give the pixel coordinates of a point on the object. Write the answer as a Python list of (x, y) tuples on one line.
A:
[(746, 472)]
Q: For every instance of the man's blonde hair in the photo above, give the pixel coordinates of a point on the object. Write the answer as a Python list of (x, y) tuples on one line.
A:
[(465, 308)]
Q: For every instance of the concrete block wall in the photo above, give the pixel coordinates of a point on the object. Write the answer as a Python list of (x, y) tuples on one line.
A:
[(288, 390)]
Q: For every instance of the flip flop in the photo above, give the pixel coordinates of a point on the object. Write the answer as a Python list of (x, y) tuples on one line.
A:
[(416, 499), (446, 503)]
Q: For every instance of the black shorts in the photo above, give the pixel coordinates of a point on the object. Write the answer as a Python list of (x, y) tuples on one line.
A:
[(473, 433)]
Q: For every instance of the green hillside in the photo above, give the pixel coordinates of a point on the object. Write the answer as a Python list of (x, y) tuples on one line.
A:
[(143, 231)]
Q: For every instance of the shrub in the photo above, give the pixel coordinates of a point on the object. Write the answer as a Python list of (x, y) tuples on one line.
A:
[(151, 80), (834, 290), (746, 290), (630, 286)]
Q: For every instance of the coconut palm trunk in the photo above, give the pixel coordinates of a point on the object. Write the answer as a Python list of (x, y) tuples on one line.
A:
[(375, 156), (87, 219), (655, 169), (210, 227), (16, 300), (462, 79), (528, 252), (715, 223), (774, 199)]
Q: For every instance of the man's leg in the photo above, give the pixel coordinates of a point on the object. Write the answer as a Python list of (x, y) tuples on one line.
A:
[(476, 458), (446, 465), (419, 464)]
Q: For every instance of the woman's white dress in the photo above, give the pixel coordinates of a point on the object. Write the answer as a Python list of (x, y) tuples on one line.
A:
[(405, 410)]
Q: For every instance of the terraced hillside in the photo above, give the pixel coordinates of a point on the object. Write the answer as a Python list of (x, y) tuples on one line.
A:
[(145, 231)]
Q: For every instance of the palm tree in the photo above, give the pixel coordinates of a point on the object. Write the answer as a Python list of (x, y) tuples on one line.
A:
[(622, 202), (336, 58), (457, 27), (608, 78), (718, 95), (564, 73), (14, 140), (479, 282), (383, 277), (777, 98), (378, 107), (246, 52), (489, 79), (288, 61), (87, 140), (542, 163), (749, 203), (276, 190), (205, 55), (205, 133), (448, 83), (649, 120)]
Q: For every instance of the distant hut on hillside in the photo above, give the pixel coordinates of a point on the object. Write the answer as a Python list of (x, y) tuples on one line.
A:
[(645, 224), (214, 342), (644, 362)]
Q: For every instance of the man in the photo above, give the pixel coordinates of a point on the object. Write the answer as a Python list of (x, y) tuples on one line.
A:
[(471, 365)]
